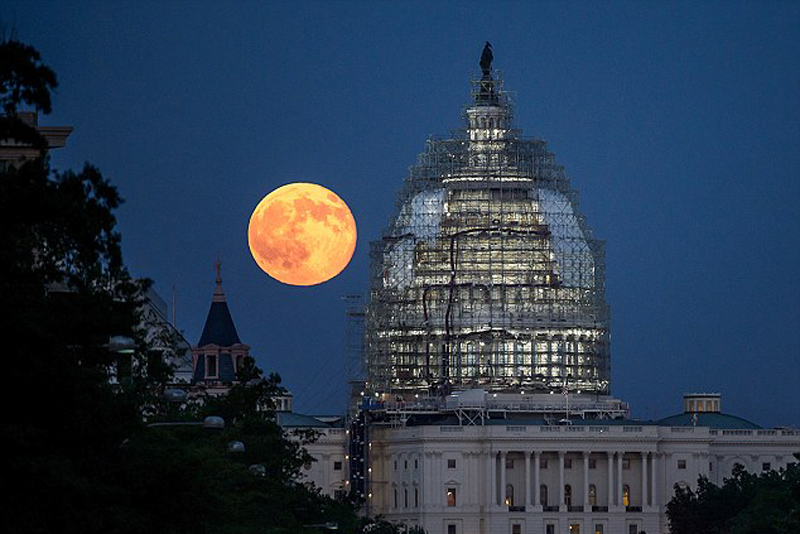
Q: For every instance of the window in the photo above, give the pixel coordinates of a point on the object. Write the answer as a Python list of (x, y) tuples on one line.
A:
[(766, 466), (405, 464), (509, 463), (451, 463), (681, 464), (626, 463), (574, 528), (451, 529), (395, 497), (592, 463), (395, 465), (337, 466), (592, 495), (405, 497), (211, 366), (550, 529), (509, 495), (633, 529), (568, 495), (543, 495), (710, 466), (416, 497), (516, 529), (598, 529), (568, 463), (626, 495), (451, 496), (416, 463), (543, 463), (339, 494)]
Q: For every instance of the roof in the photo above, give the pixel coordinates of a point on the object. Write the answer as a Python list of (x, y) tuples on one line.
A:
[(709, 419), (219, 328), (298, 420)]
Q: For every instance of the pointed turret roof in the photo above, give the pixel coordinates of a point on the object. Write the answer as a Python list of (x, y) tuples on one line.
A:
[(219, 328)]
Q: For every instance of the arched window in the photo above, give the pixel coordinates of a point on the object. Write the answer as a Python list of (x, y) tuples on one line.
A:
[(543, 495), (395, 498), (626, 495), (568, 495), (405, 497), (592, 495), (509, 495)]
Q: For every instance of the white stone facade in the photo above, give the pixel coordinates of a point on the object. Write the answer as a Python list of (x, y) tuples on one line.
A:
[(538, 479)]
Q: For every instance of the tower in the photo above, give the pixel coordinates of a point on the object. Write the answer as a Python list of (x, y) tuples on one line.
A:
[(487, 275), (219, 353)]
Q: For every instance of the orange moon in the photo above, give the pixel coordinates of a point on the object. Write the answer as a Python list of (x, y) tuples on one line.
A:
[(302, 234)]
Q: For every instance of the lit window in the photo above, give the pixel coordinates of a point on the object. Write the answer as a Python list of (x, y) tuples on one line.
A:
[(568, 495), (451, 463), (626, 495), (681, 464), (509, 495), (598, 529), (337, 466), (574, 528), (451, 496), (592, 495)]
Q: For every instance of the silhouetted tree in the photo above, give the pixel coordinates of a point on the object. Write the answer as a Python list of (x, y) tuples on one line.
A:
[(745, 504)]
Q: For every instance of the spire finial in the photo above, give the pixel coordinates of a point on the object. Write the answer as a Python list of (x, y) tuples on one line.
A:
[(219, 295)]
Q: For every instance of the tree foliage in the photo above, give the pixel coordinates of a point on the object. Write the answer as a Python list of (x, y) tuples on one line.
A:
[(84, 455), (745, 504)]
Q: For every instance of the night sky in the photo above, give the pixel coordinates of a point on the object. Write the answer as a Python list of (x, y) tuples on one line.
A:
[(678, 123)]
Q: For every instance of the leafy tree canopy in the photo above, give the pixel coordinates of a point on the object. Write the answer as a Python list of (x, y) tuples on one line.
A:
[(745, 504)]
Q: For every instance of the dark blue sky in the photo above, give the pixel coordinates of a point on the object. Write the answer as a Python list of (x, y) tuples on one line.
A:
[(679, 123)]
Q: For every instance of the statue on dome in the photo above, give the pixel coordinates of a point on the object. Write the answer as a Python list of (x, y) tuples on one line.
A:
[(486, 60)]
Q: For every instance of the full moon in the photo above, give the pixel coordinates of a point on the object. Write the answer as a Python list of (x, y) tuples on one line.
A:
[(302, 234)]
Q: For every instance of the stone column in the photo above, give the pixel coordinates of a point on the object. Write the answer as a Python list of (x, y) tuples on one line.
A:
[(644, 479), (428, 492), (619, 478), (610, 488), (561, 503), (492, 480), (653, 499), (527, 488), (586, 506), (502, 479), (537, 496)]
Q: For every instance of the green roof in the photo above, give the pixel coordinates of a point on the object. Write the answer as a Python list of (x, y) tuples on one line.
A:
[(711, 420), (298, 420)]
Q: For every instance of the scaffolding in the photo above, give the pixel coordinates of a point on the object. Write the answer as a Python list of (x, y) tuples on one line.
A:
[(487, 275)]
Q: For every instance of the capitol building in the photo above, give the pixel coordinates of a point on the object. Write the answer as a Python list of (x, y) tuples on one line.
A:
[(485, 403)]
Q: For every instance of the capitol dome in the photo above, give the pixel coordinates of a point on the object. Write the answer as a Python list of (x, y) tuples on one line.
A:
[(487, 275)]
